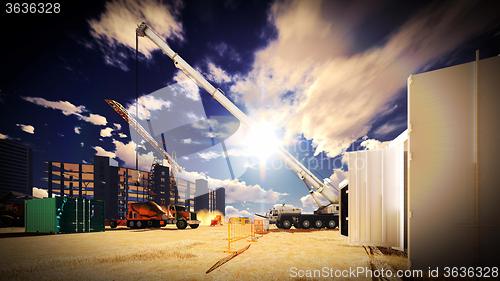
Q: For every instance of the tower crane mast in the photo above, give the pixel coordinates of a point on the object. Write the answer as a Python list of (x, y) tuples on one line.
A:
[(143, 133)]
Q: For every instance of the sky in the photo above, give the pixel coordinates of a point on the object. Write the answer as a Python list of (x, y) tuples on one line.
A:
[(319, 77)]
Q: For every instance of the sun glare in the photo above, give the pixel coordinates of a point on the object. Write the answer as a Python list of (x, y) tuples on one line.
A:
[(262, 141)]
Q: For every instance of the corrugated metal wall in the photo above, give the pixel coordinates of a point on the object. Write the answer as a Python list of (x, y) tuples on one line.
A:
[(376, 196), (64, 215)]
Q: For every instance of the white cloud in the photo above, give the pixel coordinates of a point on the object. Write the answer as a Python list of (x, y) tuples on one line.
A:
[(309, 205), (65, 107), (95, 119), (78, 130), (26, 128), (122, 135), (208, 155), (68, 108), (117, 24), (187, 86), (102, 152), (238, 191), (147, 104), (40, 193), (187, 141), (390, 127), (336, 95), (337, 177), (3, 137), (226, 51), (117, 126), (217, 74), (372, 144), (234, 212), (126, 153), (106, 132)]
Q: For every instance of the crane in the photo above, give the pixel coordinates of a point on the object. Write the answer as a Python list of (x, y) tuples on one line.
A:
[(314, 184), (284, 216), (143, 133)]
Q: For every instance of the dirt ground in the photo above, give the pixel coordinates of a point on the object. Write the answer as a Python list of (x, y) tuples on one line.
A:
[(170, 254)]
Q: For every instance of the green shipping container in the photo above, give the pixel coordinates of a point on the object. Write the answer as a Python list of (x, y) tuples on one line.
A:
[(64, 215)]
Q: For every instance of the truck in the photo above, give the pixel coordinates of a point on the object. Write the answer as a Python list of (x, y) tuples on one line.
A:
[(327, 214), (151, 215), (285, 216)]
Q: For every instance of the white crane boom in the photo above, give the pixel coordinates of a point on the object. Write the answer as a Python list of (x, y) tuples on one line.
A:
[(304, 174)]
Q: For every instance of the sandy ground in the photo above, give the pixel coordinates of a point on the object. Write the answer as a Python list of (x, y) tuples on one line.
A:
[(170, 254)]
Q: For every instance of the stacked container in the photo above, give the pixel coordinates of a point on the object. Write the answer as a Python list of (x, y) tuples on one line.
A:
[(64, 215)]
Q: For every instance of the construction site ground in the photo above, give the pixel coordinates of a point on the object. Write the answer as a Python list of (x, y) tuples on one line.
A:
[(171, 254)]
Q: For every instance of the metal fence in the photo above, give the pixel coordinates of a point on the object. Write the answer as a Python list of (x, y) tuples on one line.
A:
[(237, 230)]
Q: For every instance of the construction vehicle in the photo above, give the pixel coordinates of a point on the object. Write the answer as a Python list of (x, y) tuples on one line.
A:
[(149, 214), (325, 215), (278, 210), (217, 221), (12, 208)]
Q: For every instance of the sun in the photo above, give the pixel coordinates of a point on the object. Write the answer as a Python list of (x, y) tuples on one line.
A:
[(262, 141)]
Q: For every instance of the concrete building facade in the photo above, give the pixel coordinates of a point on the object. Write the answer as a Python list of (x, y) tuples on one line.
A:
[(16, 173)]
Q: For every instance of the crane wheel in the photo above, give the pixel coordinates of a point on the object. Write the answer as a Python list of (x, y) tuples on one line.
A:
[(318, 224), (181, 224), (194, 226), (286, 224), (139, 224), (332, 224), (113, 224), (306, 224)]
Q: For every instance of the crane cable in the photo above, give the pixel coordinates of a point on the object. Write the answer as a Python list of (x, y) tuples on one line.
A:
[(136, 94)]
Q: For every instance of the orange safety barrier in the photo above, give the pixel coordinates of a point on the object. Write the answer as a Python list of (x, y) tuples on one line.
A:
[(261, 227)]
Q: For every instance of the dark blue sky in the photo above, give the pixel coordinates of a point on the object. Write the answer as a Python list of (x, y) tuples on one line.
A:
[(56, 58)]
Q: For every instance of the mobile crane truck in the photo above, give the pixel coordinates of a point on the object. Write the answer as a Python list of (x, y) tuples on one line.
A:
[(325, 215)]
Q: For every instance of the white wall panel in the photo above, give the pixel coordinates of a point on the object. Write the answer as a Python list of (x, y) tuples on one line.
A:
[(376, 182), (453, 219)]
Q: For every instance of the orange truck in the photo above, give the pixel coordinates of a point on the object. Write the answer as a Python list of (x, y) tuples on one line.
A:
[(150, 214)]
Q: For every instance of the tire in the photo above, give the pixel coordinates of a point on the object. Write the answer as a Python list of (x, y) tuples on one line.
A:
[(278, 225), (332, 224), (113, 224), (194, 226), (150, 223), (139, 224), (181, 224), (318, 224), (7, 221), (286, 224), (306, 224), (131, 224)]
